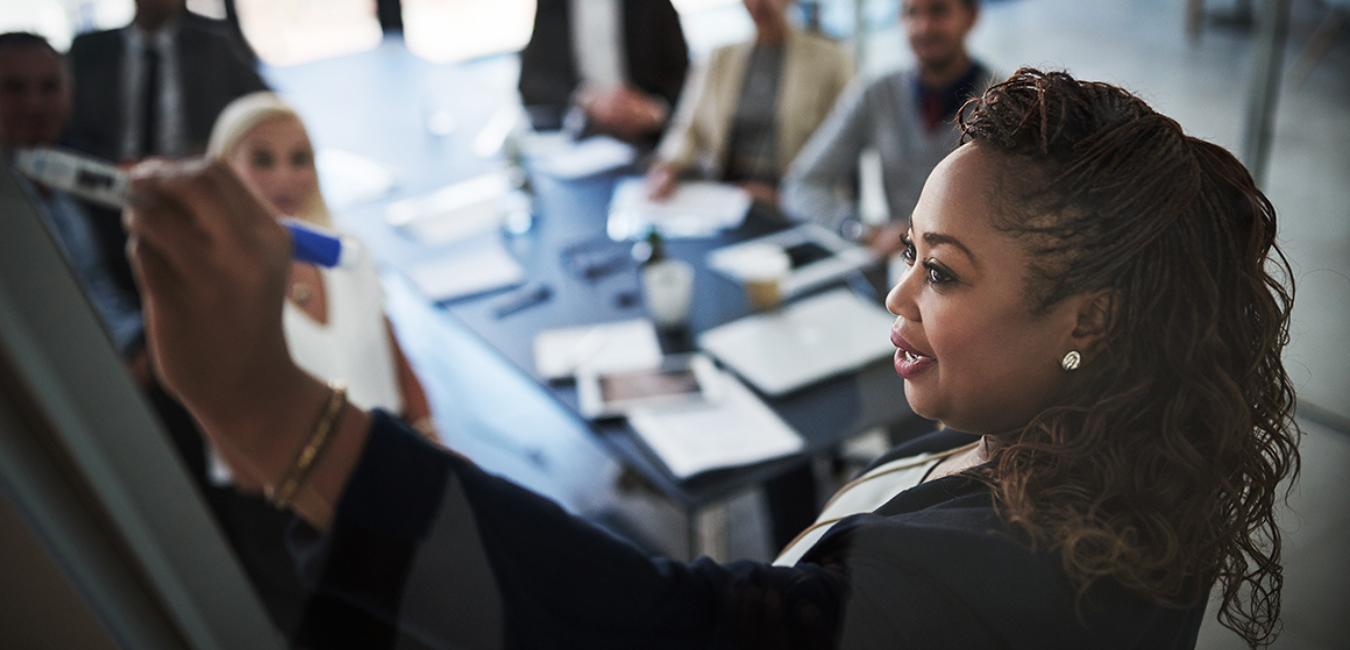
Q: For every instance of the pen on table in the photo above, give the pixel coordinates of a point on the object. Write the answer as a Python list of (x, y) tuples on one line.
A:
[(102, 182), (524, 298)]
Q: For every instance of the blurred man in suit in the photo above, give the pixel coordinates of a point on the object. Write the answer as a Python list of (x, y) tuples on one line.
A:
[(611, 66), (155, 87)]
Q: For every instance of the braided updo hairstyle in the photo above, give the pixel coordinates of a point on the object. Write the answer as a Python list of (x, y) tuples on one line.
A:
[(1160, 469)]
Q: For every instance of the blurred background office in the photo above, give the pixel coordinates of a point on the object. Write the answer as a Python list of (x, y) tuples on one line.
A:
[(403, 98)]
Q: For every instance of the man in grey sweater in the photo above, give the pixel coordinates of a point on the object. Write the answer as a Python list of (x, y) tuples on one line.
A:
[(906, 116)]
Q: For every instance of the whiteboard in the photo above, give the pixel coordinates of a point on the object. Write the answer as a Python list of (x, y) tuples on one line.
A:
[(92, 474)]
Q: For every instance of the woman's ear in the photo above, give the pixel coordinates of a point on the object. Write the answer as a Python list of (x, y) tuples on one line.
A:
[(1096, 314)]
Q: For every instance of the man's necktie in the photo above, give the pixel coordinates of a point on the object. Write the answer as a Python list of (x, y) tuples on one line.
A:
[(150, 103)]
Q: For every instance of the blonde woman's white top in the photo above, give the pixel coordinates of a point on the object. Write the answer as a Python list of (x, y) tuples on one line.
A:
[(354, 346)]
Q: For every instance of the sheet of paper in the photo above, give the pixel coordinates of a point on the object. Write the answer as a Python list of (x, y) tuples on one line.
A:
[(455, 212), (350, 179), (738, 430), (621, 345), (473, 267), (559, 156), (695, 209)]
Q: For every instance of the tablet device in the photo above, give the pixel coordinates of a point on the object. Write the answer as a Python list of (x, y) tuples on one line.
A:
[(687, 380), (817, 257)]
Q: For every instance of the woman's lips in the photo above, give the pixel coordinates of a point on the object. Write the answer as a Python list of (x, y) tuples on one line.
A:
[(909, 362)]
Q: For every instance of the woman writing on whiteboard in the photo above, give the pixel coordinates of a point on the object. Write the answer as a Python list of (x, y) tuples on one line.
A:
[(1088, 296)]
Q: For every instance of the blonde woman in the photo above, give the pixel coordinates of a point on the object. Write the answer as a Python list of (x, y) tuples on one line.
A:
[(333, 319)]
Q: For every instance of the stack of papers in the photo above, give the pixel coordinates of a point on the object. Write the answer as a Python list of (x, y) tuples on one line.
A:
[(738, 430), (695, 209), (602, 347)]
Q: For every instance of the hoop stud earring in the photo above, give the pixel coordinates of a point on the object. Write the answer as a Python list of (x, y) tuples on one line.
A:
[(1071, 360)]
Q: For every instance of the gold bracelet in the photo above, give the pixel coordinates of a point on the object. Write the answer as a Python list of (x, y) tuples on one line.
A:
[(319, 437)]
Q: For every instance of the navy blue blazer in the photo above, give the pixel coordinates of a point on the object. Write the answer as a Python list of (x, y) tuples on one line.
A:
[(453, 557)]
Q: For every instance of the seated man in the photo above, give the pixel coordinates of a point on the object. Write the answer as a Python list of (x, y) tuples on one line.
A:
[(35, 100), (611, 66), (906, 116)]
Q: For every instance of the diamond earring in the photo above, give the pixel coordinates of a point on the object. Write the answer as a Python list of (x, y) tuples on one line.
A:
[(1071, 360)]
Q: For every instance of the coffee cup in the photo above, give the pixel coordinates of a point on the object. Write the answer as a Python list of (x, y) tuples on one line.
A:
[(762, 268)]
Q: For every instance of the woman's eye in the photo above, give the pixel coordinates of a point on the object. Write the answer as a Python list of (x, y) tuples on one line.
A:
[(300, 159), (909, 254), (262, 159), (934, 274)]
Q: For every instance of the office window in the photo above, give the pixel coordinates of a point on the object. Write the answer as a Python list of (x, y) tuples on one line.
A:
[(287, 32), (456, 30), (60, 20), (209, 8)]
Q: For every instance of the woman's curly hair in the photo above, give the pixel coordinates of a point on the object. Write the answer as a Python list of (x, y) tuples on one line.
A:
[(1160, 470)]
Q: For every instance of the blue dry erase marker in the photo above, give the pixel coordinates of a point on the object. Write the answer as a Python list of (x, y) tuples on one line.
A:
[(103, 183)]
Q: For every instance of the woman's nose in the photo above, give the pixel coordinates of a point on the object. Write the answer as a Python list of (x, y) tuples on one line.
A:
[(900, 301)]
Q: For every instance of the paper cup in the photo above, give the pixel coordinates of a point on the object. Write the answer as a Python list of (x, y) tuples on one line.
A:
[(762, 269)]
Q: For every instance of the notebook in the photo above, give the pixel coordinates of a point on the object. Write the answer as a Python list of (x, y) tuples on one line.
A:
[(814, 339)]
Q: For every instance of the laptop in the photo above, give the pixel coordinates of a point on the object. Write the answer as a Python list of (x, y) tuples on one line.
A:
[(814, 339)]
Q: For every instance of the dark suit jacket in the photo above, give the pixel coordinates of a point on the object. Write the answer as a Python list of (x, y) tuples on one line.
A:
[(658, 57), (213, 75), (444, 552)]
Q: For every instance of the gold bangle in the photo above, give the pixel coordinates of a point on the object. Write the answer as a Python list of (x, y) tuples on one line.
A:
[(319, 437), (427, 427)]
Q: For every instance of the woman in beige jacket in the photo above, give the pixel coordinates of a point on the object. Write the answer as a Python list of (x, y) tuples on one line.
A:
[(748, 110)]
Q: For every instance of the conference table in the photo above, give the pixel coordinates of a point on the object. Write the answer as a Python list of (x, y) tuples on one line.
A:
[(592, 279)]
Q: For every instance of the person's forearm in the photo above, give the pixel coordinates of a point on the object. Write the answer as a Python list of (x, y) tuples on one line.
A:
[(318, 497), (812, 197), (267, 444), (810, 187)]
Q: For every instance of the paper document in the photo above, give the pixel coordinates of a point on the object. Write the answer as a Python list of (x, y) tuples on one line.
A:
[(350, 179), (602, 347), (559, 156), (455, 212), (473, 267), (695, 209), (738, 430)]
